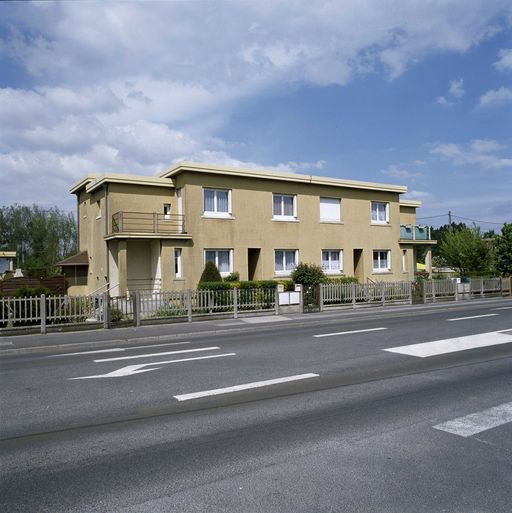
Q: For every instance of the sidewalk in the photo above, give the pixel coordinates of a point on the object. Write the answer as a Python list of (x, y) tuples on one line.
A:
[(150, 334)]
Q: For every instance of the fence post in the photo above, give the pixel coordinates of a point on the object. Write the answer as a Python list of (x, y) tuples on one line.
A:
[(481, 287), (276, 306), (235, 303), (42, 312), (189, 305), (456, 288), (501, 286), (106, 311), (433, 290), (321, 296), (424, 291), (383, 293), (409, 285), (353, 293), (136, 308)]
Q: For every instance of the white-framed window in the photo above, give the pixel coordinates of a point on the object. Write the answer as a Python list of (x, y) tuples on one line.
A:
[(217, 202), (332, 261), (167, 210), (381, 261), (222, 258), (380, 212), (404, 260), (285, 261), (330, 211), (98, 209), (178, 269), (284, 207)]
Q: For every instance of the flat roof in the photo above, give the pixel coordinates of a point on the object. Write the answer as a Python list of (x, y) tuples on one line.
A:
[(94, 182), (273, 175), (410, 203)]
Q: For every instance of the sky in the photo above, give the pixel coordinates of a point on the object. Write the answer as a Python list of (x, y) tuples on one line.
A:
[(416, 93)]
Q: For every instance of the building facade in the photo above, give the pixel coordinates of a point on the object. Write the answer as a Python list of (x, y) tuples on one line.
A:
[(157, 233)]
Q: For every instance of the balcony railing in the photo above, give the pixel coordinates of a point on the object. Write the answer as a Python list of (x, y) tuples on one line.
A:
[(148, 222), (414, 232)]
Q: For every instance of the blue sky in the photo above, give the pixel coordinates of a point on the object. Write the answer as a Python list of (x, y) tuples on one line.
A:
[(417, 93)]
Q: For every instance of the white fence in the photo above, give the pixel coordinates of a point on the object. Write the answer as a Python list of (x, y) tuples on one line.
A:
[(356, 294)]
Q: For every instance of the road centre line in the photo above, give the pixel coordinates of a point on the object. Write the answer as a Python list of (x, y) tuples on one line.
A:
[(503, 308), (138, 368), (472, 317), (452, 345), (151, 355), (477, 422), (246, 386), (348, 332)]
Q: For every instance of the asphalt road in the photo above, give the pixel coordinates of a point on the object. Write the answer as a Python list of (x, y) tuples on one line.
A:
[(312, 415)]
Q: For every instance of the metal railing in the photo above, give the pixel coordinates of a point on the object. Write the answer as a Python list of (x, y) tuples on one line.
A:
[(147, 222), (414, 232), (357, 294)]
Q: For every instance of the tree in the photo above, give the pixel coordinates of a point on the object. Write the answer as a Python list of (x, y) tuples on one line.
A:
[(41, 237), (503, 249), (308, 274), (465, 250), (210, 273)]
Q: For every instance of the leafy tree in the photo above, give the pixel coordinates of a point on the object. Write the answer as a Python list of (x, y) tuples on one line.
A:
[(41, 237), (308, 274), (503, 249), (210, 273), (465, 250)]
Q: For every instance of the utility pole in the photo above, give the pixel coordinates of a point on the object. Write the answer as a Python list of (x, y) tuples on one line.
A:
[(450, 220)]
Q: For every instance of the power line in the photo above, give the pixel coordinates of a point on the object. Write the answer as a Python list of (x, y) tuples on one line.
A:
[(431, 217), (477, 221)]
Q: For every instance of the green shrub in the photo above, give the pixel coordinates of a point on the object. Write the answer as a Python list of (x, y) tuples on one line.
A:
[(308, 275), (341, 279), (31, 291), (233, 277), (214, 285), (288, 285), (210, 274), (115, 315)]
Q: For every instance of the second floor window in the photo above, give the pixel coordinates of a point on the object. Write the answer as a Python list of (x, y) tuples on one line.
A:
[(380, 212), (284, 206), (330, 210), (217, 202)]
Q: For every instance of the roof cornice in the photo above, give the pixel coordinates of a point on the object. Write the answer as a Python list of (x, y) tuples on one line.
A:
[(92, 183), (277, 176), (410, 203)]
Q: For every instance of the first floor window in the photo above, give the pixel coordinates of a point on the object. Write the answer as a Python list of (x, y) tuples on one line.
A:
[(222, 258), (332, 261), (285, 260), (217, 202), (284, 206), (178, 273), (380, 212), (330, 210), (404, 260), (382, 260)]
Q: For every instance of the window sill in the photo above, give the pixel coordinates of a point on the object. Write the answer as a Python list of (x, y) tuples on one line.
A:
[(387, 271), (325, 221), (283, 274), (213, 216), (285, 219), (374, 223), (333, 273)]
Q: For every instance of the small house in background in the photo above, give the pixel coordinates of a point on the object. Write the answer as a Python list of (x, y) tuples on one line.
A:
[(75, 269), (7, 259)]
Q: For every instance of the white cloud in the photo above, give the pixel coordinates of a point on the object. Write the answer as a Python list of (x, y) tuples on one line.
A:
[(504, 63), (482, 153), (455, 92), (418, 195), (496, 97), (398, 172)]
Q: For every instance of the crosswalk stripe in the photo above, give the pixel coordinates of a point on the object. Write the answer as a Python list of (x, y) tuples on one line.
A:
[(475, 423)]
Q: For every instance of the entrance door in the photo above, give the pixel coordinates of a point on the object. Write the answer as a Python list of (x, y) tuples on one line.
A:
[(359, 265), (253, 267)]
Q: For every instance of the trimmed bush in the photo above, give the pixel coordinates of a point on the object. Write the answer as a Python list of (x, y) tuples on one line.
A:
[(32, 291), (210, 274), (233, 277), (214, 285), (341, 279), (308, 275)]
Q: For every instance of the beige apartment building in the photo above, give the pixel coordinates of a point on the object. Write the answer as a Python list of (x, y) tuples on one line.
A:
[(157, 233)]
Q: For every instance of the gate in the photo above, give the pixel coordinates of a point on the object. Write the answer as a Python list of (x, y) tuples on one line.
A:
[(311, 298)]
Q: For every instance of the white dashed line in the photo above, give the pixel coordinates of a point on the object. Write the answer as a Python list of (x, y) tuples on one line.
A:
[(348, 332), (471, 317)]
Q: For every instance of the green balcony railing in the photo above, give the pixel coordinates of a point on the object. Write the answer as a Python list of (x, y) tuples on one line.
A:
[(414, 232)]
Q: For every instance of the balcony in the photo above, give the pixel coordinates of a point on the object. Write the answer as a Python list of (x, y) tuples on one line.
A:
[(148, 225), (415, 233)]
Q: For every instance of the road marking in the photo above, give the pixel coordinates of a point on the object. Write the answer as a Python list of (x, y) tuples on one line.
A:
[(156, 345), (348, 332), (471, 317), (137, 369), (503, 308), (246, 386), (452, 345), (477, 422), (151, 355)]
